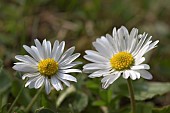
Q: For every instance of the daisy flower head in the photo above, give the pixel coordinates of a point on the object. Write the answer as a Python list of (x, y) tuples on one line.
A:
[(47, 65), (121, 54)]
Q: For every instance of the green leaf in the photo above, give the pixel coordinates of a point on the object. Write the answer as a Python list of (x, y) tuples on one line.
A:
[(144, 90), (151, 89), (25, 95), (161, 110), (43, 110), (99, 103), (92, 85), (80, 101), (4, 108), (75, 102), (140, 108), (143, 108), (1, 65), (106, 95), (5, 81)]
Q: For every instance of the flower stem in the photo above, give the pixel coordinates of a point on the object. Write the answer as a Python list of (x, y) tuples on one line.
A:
[(16, 99), (33, 100), (132, 98)]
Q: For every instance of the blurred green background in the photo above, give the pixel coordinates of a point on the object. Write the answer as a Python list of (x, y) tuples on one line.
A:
[(79, 22)]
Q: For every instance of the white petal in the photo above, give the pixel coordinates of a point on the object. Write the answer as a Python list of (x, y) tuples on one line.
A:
[(104, 42), (32, 84), (39, 47), (95, 59), (143, 50), (139, 60), (67, 54), (133, 45), (56, 83), (131, 40), (37, 52), (140, 44), (102, 50), (47, 85), (121, 36), (107, 80), (70, 71), (31, 52), (126, 74), (45, 49), (141, 66), (26, 59), (70, 65), (59, 51), (112, 43), (32, 80), (69, 59), (95, 56), (29, 75), (55, 47), (145, 74), (25, 68), (132, 75), (67, 77), (39, 82), (64, 81), (48, 49), (153, 45), (96, 66), (100, 73)]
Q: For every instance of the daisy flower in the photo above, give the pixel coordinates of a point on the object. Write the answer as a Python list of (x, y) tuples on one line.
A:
[(119, 55), (47, 65)]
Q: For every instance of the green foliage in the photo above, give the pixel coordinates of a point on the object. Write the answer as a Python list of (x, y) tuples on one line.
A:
[(145, 90), (43, 110), (75, 102), (162, 110), (79, 22), (5, 81)]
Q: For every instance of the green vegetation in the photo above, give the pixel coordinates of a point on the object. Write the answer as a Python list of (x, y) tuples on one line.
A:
[(79, 23)]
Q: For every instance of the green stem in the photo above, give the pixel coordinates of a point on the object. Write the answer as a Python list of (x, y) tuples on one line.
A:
[(16, 99), (132, 98), (33, 100), (0, 100)]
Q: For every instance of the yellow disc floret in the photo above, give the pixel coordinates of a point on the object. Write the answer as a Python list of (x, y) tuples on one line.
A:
[(48, 67), (122, 61)]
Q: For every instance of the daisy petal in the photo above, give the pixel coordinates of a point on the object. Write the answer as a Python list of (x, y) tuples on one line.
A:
[(56, 83), (67, 54), (31, 80), (31, 52), (141, 66), (39, 82), (25, 68), (70, 59), (54, 50), (67, 77), (47, 86), (29, 75), (39, 47), (64, 81), (59, 51), (107, 80), (145, 74)]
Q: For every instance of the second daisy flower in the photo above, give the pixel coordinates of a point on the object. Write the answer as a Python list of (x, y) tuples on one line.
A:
[(119, 54)]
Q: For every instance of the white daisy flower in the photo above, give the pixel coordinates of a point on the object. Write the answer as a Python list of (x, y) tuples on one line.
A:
[(47, 65), (120, 54)]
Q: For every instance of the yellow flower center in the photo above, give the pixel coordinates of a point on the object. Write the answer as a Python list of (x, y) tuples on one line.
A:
[(122, 61), (48, 67)]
